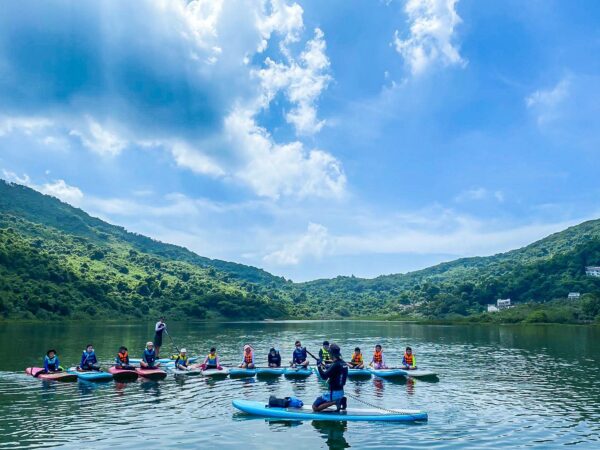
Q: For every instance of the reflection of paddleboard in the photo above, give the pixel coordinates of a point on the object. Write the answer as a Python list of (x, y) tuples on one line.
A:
[(306, 413)]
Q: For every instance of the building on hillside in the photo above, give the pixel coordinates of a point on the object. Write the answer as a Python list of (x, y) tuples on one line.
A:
[(492, 308), (503, 303), (573, 295), (592, 271)]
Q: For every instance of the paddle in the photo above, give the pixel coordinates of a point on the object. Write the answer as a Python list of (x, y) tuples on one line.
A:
[(172, 341)]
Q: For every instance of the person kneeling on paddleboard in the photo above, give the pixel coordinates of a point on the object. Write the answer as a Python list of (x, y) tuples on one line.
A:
[(274, 358), (122, 359), (51, 363), (248, 358), (300, 356), (409, 361), (357, 361), (378, 361), (336, 375), (88, 359), (149, 357), (182, 360), (211, 361)]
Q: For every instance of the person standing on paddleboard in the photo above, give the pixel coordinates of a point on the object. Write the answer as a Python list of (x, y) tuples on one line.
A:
[(336, 375), (159, 329)]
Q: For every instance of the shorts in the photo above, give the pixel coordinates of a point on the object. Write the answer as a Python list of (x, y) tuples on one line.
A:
[(157, 340), (328, 397)]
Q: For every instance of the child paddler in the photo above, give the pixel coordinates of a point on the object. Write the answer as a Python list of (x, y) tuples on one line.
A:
[(211, 361), (378, 361), (88, 359), (247, 358), (357, 361), (51, 363), (149, 357), (122, 359), (409, 360), (336, 375), (300, 356), (324, 355), (274, 358), (182, 361)]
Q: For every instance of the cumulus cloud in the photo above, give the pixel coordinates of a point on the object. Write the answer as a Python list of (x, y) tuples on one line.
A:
[(173, 75), (546, 102), (57, 188), (431, 35), (312, 244)]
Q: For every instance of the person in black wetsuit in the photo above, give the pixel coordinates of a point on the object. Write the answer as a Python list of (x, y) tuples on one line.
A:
[(274, 358), (336, 375)]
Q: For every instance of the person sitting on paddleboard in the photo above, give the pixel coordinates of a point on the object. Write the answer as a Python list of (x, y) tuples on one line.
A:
[(122, 359), (88, 359), (51, 363), (211, 361), (159, 329), (324, 355), (182, 360), (274, 358), (248, 357), (300, 356), (336, 375), (378, 361), (409, 361), (357, 361), (149, 357)]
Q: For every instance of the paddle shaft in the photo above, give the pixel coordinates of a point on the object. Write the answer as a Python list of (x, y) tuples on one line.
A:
[(172, 341)]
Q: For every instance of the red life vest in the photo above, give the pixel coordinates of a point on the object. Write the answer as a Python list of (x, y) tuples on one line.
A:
[(123, 357), (378, 357), (408, 359), (248, 357)]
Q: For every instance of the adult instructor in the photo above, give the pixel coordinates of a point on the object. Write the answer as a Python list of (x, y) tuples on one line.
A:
[(159, 329), (335, 374)]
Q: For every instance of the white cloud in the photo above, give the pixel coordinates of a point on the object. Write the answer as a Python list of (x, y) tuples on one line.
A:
[(185, 156), (302, 80), (312, 244), (282, 169), (99, 139), (284, 19), (479, 193), (546, 103), (57, 188), (432, 28), (23, 124)]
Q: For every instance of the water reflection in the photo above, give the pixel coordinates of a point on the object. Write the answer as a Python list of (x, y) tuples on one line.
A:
[(333, 433)]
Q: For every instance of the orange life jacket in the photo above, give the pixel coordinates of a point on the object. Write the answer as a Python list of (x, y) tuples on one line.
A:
[(357, 359), (408, 359), (123, 357), (248, 357), (378, 357)]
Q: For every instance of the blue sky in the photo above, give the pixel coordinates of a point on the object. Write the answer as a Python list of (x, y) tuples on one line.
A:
[(309, 138)]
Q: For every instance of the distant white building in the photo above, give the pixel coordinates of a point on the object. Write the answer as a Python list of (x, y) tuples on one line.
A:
[(573, 295), (593, 271), (492, 308), (503, 303)]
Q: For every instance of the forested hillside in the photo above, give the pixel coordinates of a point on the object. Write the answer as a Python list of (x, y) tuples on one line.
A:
[(56, 261)]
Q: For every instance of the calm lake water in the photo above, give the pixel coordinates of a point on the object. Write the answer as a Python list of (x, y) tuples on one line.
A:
[(499, 387)]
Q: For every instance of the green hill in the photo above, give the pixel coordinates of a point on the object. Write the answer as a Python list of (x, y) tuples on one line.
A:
[(56, 261)]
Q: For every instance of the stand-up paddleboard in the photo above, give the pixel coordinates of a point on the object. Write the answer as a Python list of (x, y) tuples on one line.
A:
[(122, 374), (242, 373), (359, 373), (291, 372), (151, 374), (270, 371), (216, 373), (306, 413), (421, 373), (54, 376), (191, 372), (191, 360), (91, 375), (388, 373)]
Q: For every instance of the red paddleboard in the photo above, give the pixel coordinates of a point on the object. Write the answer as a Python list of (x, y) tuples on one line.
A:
[(56, 376), (151, 374), (123, 375)]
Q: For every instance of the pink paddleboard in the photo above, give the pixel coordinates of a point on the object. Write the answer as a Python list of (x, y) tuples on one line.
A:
[(56, 376), (123, 375), (151, 374)]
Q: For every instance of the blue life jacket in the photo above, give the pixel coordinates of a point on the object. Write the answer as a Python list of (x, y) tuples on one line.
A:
[(149, 357), (299, 355), (87, 359), (51, 363)]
